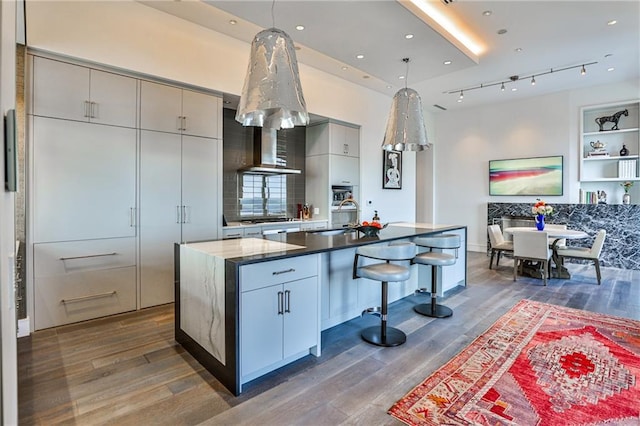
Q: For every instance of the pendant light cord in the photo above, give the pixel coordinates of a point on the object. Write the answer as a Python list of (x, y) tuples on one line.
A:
[(406, 74), (273, 15)]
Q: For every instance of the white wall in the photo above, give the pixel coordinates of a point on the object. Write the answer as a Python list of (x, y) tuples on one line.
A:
[(135, 37), (467, 139), (8, 344)]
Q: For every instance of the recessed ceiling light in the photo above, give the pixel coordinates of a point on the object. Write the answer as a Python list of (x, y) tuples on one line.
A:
[(502, 31), (486, 13), (299, 27), (447, 62), (610, 69), (612, 22), (345, 68), (389, 87), (233, 22), (514, 89), (518, 49), (408, 36), (459, 100), (401, 77), (360, 56)]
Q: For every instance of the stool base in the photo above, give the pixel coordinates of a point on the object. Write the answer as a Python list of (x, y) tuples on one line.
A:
[(433, 310), (394, 336)]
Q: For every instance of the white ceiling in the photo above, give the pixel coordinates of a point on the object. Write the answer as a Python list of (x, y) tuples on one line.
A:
[(550, 34)]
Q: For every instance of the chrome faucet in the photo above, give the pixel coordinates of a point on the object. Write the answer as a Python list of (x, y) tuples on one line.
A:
[(351, 200)]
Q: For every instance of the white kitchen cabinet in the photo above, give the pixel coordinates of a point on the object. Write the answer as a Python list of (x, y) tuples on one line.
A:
[(80, 280), (178, 202), (278, 314), (344, 170), (84, 180), (172, 109), (607, 169), (73, 92), (333, 138)]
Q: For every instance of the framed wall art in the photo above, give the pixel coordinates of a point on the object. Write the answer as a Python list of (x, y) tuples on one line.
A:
[(526, 176), (391, 170)]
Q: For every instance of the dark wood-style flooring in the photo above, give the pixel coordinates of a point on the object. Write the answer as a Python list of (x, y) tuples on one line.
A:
[(128, 370)]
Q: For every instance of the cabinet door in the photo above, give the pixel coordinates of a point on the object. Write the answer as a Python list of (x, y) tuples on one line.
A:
[(200, 171), (84, 183), (260, 329), (60, 90), (352, 141), (113, 99), (202, 114), (159, 215), (344, 170), (301, 316), (160, 107)]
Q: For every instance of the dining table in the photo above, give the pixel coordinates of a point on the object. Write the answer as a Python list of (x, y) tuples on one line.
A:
[(559, 271)]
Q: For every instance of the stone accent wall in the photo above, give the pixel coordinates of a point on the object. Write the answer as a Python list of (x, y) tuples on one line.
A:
[(622, 223)]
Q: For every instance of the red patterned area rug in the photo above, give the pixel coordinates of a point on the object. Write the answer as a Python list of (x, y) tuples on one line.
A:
[(539, 364)]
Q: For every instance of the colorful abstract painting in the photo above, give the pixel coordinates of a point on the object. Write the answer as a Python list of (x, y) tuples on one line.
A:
[(526, 176)]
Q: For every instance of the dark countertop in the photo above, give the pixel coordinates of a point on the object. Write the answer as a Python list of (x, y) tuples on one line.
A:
[(316, 243)]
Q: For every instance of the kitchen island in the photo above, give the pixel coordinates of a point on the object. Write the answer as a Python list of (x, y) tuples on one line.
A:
[(247, 306)]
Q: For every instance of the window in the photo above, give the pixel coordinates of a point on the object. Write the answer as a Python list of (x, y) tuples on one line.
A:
[(262, 195)]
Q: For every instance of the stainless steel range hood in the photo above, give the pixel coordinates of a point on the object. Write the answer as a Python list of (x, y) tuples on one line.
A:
[(265, 158)]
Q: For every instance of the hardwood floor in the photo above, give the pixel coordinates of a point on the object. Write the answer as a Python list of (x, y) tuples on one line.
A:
[(128, 370)]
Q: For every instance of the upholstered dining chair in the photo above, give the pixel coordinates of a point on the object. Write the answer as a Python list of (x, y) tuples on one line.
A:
[(588, 253), (498, 243), (534, 246)]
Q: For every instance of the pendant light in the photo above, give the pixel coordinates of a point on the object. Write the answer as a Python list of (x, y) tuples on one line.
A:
[(272, 95), (405, 125)]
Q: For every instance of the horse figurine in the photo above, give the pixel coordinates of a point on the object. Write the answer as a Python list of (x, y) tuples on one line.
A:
[(612, 118)]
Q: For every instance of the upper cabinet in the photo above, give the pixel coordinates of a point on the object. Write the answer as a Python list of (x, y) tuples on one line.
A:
[(73, 92), (172, 109), (333, 138)]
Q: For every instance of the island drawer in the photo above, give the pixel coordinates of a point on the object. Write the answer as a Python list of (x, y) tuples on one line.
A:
[(265, 274)]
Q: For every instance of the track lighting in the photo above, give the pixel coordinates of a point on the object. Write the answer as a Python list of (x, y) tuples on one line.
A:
[(514, 78)]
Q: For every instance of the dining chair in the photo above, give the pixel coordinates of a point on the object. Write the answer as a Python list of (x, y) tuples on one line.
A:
[(587, 253), (534, 246), (498, 243)]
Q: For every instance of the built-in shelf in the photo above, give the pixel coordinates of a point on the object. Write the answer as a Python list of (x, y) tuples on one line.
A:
[(610, 157), (610, 132), (611, 179)]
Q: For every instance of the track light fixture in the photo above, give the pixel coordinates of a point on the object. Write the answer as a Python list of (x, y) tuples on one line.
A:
[(515, 78)]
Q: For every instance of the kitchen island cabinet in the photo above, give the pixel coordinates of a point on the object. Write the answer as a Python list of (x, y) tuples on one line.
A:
[(232, 296)]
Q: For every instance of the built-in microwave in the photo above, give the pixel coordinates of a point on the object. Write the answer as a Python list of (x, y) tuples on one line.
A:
[(341, 193)]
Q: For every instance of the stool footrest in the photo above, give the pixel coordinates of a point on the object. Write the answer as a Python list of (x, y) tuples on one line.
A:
[(376, 310), (433, 310), (393, 337), (422, 291)]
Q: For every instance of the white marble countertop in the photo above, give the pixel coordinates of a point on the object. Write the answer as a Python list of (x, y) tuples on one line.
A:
[(284, 222), (241, 247)]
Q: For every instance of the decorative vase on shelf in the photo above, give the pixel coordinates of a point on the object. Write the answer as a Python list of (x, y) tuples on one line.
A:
[(624, 151), (626, 198), (540, 222)]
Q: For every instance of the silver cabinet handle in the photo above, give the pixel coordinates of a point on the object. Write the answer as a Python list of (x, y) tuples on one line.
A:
[(283, 272), (184, 123), (185, 217), (86, 109), (177, 214), (287, 301), (88, 256), (92, 296), (93, 111), (280, 303), (132, 217), (179, 122)]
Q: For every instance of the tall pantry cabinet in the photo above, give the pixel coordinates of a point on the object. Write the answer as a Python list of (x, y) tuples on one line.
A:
[(98, 238), (180, 159)]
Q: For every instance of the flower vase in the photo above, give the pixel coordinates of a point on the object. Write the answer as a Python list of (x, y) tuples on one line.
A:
[(626, 198), (540, 222)]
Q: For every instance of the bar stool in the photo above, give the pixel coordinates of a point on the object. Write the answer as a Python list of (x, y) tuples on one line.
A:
[(384, 272), (436, 260)]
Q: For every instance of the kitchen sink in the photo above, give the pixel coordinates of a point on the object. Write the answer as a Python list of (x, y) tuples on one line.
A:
[(331, 232)]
